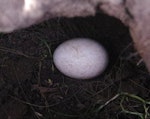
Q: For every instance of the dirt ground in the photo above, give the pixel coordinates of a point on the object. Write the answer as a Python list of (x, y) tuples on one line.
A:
[(32, 88)]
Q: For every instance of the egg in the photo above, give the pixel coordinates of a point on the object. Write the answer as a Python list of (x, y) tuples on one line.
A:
[(80, 58)]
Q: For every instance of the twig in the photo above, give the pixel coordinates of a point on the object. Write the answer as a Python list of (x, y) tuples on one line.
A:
[(4, 49)]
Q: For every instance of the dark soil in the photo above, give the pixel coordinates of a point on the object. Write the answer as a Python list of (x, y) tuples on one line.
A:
[(32, 88)]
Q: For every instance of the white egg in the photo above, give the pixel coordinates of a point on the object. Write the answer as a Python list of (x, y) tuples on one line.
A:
[(80, 58)]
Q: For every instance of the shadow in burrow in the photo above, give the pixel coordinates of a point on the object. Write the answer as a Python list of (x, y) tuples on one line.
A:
[(33, 41)]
